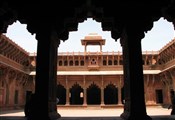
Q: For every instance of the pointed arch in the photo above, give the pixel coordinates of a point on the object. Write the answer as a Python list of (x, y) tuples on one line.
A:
[(61, 94), (111, 94), (93, 95), (76, 95)]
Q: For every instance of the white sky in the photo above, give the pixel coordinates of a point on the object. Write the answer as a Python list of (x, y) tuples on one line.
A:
[(160, 35)]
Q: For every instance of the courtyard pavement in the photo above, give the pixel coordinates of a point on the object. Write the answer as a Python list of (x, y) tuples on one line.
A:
[(92, 113)]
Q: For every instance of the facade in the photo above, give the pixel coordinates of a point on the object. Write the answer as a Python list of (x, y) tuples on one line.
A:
[(85, 78), (53, 25)]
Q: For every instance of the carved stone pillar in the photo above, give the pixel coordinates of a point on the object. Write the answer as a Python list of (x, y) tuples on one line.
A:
[(84, 90), (167, 87), (100, 47), (85, 97), (119, 92), (46, 75), (172, 73), (102, 92), (67, 97), (102, 96), (6, 81), (134, 107), (67, 93)]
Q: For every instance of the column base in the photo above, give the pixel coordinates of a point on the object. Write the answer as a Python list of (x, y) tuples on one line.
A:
[(54, 116), (84, 104), (102, 104), (127, 116), (120, 104), (67, 104), (49, 116)]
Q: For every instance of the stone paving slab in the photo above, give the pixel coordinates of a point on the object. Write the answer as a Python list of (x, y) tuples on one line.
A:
[(156, 113), (88, 118)]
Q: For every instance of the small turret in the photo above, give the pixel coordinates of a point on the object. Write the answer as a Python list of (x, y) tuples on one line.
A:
[(93, 39)]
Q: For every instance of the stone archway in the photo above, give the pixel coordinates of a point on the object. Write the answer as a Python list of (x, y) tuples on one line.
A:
[(111, 94), (76, 97), (93, 95), (61, 94)]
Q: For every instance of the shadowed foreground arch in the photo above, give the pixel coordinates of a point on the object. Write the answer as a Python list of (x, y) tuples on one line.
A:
[(53, 24)]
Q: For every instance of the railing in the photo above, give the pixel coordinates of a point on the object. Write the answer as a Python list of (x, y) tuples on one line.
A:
[(102, 53)]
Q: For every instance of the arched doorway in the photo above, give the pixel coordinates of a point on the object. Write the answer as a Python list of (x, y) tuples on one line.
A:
[(110, 94), (93, 95), (76, 93), (61, 94)]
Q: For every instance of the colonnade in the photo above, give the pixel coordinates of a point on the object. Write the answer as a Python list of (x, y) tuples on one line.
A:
[(133, 75)]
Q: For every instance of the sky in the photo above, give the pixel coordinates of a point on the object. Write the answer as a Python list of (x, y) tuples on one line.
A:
[(155, 39)]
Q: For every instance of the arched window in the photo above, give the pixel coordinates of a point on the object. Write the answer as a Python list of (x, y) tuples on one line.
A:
[(93, 62), (76, 63), (109, 62), (104, 62), (121, 62), (65, 63), (115, 62), (71, 62), (60, 63), (82, 63)]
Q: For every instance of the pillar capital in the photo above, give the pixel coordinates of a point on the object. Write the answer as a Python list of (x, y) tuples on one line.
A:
[(49, 35)]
